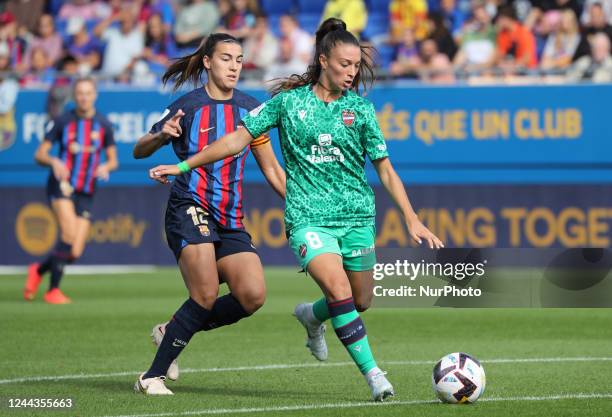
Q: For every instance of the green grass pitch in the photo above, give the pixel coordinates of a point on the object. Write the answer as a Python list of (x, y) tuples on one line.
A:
[(539, 362)]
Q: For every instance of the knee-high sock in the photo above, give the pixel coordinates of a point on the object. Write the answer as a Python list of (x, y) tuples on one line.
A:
[(352, 333), (227, 310), (320, 309), (55, 262), (186, 322)]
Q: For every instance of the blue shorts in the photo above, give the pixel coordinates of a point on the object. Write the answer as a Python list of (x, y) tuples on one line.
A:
[(82, 201), (187, 223)]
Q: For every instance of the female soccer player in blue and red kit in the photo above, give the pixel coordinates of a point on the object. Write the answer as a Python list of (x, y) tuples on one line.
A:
[(83, 136), (204, 214)]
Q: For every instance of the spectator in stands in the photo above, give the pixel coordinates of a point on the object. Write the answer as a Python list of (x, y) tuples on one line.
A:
[(164, 9), (407, 14), (596, 67), (239, 19), (27, 13), (454, 16), (352, 12), (17, 46), (195, 21), (84, 9), (110, 8), (5, 58), (224, 6), (598, 22), (478, 38), (407, 60), (441, 34), (295, 49), (9, 89), (159, 45), (435, 66), (61, 91), (261, 48), (606, 8), (83, 48), (540, 7), (561, 45), (47, 39), (41, 73), (123, 45), (516, 47)]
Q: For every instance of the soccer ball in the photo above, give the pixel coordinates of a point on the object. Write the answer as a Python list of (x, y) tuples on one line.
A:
[(458, 378)]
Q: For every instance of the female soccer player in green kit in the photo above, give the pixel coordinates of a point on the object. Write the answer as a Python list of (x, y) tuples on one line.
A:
[(326, 129)]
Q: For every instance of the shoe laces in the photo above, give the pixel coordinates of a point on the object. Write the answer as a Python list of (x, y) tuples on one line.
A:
[(379, 375), (317, 331)]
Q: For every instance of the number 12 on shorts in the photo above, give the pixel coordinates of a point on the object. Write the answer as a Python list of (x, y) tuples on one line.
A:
[(198, 215)]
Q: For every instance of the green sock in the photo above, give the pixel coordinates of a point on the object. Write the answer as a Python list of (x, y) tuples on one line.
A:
[(362, 355), (320, 310), (352, 333)]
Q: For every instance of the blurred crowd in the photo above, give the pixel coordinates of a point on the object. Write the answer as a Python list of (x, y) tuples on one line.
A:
[(46, 43)]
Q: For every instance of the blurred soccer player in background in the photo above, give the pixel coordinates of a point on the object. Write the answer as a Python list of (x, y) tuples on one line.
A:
[(83, 136), (326, 130), (204, 216)]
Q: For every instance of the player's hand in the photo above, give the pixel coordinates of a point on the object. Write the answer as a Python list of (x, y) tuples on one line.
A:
[(172, 127), (60, 172), (102, 172), (161, 172), (418, 233)]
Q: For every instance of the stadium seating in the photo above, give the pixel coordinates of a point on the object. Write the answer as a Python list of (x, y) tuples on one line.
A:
[(378, 23), (311, 6), (378, 6), (309, 22), (275, 7)]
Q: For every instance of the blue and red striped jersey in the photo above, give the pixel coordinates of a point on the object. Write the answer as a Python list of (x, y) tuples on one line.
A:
[(215, 187), (81, 142)]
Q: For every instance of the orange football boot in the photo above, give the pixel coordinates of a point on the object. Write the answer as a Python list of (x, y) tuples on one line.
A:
[(32, 282), (56, 296)]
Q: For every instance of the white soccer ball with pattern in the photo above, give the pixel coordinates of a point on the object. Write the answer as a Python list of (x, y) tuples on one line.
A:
[(458, 378)]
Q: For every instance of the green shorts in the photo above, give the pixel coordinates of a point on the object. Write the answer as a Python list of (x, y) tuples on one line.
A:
[(355, 244)]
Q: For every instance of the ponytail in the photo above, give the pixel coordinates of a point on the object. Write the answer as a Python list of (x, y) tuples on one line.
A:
[(189, 69), (331, 32)]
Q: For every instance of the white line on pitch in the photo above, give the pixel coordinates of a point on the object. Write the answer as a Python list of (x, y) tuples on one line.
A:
[(361, 404), (290, 366)]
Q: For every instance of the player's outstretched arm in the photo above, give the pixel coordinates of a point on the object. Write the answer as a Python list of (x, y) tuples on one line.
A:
[(269, 166), (230, 144), (151, 142), (394, 186)]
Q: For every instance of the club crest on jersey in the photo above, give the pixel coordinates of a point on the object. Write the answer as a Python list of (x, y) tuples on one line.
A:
[(74, 148), (348, 117), (303, 249), (95, 136), (325, 139)]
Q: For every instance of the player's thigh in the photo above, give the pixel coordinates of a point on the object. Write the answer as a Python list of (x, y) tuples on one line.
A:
[(362, 287), (199, 269), (327, 271), (244, 276), (66, 216), (80, 236), (357, 245)]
